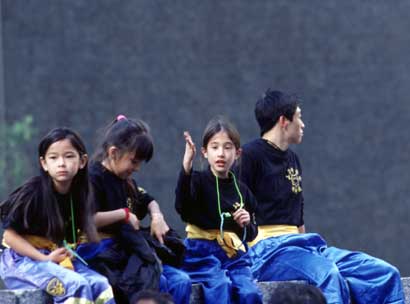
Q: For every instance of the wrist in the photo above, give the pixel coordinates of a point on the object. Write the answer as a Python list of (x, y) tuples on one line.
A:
[(127, 214), (156, 215)]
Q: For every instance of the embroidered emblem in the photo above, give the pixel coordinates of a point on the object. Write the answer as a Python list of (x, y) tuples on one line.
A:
[(55, 287), (295, 179), (129, 203), (142, 190), (236, 206)]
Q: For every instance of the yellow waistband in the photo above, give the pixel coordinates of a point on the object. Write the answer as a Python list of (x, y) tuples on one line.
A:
[(230, 242), (268, 231), (40, 242)]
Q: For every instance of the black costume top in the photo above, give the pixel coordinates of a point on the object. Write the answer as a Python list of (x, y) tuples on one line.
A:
[(274, 177), (26, 214), (196, 202), (111, 193)]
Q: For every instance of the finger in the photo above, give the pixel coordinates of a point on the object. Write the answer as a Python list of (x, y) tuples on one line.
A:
[(160, 238)]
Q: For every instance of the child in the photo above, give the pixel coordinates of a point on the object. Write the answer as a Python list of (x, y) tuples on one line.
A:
[(45, 214), (124, 255), (282, 249), (217, 209)]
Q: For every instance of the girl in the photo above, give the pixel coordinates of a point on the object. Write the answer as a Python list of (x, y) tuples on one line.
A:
[(124, 256), (45, 214), (217, 209)]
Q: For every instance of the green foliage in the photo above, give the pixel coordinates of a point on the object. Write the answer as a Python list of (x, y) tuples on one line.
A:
[(14, 160)]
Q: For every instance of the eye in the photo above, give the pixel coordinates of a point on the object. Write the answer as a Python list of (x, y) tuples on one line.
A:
[(52, 157)]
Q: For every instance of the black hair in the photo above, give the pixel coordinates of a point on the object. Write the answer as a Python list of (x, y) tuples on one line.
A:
[(38, 193), (126, 135), (218, 124), (272, 105), (156, 296)]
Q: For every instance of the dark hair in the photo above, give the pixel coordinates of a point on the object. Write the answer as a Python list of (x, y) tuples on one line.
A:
[(271, 106), (218, 124), (128, 136), (46, 202), (156, 296)]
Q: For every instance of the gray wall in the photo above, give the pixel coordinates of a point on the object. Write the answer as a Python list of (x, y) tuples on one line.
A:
[(176, 64)]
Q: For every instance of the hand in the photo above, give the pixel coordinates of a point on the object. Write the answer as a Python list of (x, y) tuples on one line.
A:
[(134, 221), (58, 255), (241, 217), (190, 151), (159, 227)]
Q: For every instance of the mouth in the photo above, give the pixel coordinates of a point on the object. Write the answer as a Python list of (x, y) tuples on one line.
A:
[(62, 173), (220, 163)]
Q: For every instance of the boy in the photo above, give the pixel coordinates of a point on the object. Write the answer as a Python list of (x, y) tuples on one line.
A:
[(282, 249)]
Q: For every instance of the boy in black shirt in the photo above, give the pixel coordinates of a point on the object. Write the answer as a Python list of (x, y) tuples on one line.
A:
[(282, 249)]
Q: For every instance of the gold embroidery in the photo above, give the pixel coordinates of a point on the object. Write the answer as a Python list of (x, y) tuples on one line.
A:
[(142, 190), (129, 204), (295, 179), (55, 287), (236, 206)]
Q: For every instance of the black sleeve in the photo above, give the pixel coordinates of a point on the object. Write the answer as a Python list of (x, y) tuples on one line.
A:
[(185, 194), (143, 200), (250, 205), (98, 194)]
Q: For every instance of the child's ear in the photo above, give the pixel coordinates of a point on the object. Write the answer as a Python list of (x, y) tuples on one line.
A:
[(43, 164), (112, 152), (204, 153), (283, 121), (238, 153), (83, 161)]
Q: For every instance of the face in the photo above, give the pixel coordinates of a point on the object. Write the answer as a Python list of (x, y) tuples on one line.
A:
[(221, 154), (124, 165), (294, 129), (62, 162)]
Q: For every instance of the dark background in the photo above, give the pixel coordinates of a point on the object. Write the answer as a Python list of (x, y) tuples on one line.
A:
[(176, 64)]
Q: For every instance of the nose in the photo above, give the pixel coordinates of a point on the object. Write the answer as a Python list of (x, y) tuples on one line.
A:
[(61, 161)]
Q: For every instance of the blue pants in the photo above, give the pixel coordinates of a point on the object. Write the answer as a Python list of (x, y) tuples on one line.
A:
[(177, 283), (340, 274), (20, 272), (224, 280)]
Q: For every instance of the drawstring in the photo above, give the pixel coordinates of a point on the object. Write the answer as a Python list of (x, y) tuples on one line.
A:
[(224, 215), (68, 246)]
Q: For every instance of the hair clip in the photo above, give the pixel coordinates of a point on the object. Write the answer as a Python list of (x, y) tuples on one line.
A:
[(121, 117)]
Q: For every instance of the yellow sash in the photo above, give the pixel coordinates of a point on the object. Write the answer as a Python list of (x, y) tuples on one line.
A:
[(40, 242), (230, 242), (268, 231)]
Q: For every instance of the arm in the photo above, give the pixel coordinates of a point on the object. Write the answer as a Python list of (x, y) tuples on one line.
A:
[(158, 225), (22, 247), (183, 191), (105, 218)]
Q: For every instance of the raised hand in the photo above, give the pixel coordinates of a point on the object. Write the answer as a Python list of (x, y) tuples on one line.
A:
[(241, 217), (190, 151)]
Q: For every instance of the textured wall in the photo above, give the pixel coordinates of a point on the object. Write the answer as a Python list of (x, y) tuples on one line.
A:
[(178, 63)]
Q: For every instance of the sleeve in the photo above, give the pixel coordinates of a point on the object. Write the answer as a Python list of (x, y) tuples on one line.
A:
[(143, 200), (16, 210), (99, 201), (185, 194), (250, 205)]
